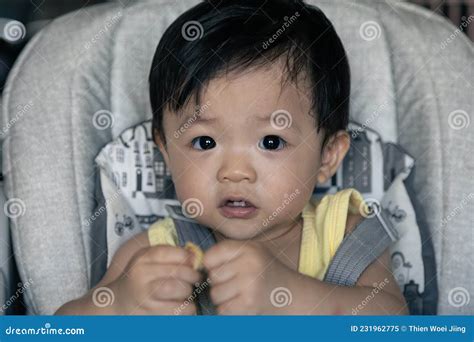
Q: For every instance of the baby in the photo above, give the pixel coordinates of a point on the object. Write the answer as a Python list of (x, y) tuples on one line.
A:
[(250, 107)]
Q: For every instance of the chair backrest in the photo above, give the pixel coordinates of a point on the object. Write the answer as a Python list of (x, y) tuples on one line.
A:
[(409, 81)]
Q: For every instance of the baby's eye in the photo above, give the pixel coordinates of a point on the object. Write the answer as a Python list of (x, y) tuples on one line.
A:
[(272, 142), (203, 143)]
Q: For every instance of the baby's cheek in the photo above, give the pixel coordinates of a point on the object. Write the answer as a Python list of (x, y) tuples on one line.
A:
[(295, 202), (286, 206), (283, 185), (196, 198)]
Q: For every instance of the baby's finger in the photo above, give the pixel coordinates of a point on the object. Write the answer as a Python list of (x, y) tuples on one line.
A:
[(164, 254), (224, 272), (170, 289), (181, 272), (224, 292), (169, 307), (222, 253), (234, 306)]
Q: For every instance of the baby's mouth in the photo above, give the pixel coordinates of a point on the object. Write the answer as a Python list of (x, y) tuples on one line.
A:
[(233, 207), (236, 201), (241, 204)]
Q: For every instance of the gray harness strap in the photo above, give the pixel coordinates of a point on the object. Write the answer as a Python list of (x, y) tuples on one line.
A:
[(357, 251), (360, 248), (189, 230)]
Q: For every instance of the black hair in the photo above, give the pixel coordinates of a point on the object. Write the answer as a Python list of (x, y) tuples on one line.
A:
[(214, 37)]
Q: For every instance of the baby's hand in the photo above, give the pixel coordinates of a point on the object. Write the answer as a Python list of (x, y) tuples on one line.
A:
[(157, 281), (243, 275)]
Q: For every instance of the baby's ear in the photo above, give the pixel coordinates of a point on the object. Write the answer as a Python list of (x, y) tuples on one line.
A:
[(157, 137), (333, 152)]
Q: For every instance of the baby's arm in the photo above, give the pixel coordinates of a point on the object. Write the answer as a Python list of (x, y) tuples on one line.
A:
[(84, 305), (141, 280), (376, 293)]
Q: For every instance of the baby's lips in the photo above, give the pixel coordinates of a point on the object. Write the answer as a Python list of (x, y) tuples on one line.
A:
[(198, 255)]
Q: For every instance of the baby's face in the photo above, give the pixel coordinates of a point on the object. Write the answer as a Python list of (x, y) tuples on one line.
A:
[(234, 148)]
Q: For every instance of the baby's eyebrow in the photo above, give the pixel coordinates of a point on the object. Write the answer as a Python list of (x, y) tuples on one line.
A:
[(201, 119), (269, 117), (197, 118)]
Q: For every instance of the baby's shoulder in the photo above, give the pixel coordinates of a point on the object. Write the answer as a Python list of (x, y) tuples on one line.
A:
[(353, 220)]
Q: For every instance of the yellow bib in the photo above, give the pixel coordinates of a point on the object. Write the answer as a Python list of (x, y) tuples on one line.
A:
[(324, 225)]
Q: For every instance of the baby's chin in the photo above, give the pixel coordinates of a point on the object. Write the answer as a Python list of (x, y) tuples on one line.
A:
[(238, 229)]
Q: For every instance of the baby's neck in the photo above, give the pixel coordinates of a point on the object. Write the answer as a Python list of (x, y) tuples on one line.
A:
[(286, 246), (283, 244)]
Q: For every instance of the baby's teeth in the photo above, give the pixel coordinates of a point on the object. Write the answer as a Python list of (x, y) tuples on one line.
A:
[(238, 204)]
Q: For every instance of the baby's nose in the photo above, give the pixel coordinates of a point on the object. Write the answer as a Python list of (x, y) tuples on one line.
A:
[(236, 169)]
